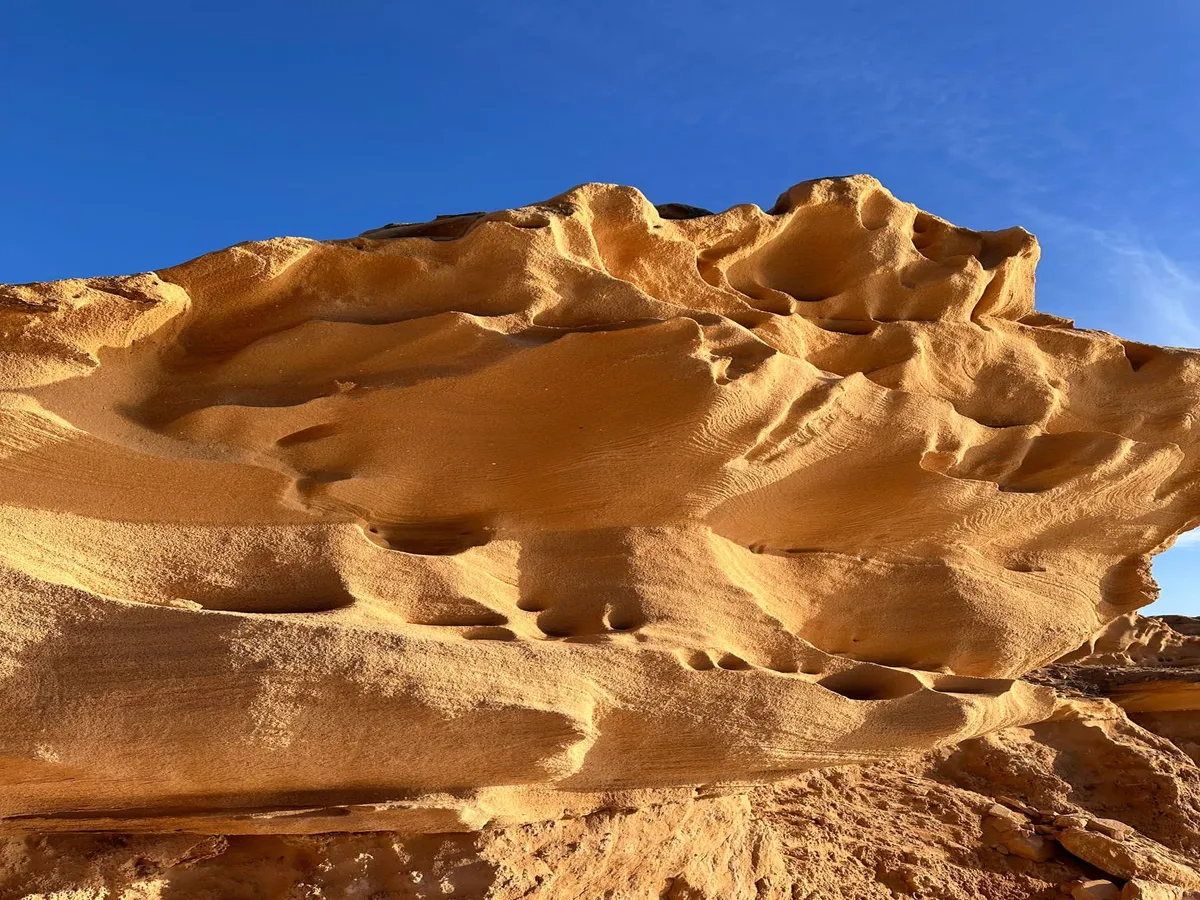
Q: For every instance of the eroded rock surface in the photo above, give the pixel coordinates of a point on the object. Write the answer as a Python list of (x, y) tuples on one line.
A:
[(511, 545), (1085, 805)]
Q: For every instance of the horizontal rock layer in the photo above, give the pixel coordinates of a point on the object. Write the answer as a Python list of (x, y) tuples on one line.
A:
[(1084, 804)]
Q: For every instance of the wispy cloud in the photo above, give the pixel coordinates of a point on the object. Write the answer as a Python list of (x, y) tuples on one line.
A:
[(1162, 286), (1151, 295)]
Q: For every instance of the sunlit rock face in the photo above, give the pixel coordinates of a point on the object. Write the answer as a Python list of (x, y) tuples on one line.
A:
[(506, 515)]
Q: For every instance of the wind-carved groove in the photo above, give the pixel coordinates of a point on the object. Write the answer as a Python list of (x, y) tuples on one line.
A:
[(855, 327), (307, 435), (436, 537), (790, 426), (548, 334)]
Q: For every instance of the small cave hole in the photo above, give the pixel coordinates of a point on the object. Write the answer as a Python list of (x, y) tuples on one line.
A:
[(875, 210), (732, 662), (871, 684), (924, 233), (625, 621), (708, 271), (1139, 355), (810, 298), (429, 538), (960, 684), (489, 633)]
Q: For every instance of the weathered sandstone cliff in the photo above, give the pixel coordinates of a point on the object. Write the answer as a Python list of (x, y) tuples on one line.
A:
[(592, 549)]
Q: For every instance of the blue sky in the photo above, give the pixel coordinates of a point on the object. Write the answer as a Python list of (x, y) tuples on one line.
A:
[(138, 134)]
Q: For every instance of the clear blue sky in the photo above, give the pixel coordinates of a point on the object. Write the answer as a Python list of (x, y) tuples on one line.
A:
[(138, 134)]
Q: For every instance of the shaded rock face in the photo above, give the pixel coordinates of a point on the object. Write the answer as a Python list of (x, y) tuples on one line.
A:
[(512, 545)]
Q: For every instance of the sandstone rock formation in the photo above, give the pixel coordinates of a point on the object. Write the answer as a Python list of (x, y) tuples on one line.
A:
[(1085, 804), (590, 549)]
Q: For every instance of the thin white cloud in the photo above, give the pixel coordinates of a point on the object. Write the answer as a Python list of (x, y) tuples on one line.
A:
[(1150, 295), (1161, 285)]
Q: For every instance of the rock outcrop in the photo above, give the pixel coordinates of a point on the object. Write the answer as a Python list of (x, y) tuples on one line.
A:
[(1085, 804), (591, 547)]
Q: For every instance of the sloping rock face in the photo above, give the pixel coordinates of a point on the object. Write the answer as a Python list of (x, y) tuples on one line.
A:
[(539, 553), (1150, 667)]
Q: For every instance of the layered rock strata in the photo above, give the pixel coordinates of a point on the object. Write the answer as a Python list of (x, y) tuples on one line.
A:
[(1086, 804)]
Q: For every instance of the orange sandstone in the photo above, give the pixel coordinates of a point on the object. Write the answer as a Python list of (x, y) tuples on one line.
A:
[(590, 505)]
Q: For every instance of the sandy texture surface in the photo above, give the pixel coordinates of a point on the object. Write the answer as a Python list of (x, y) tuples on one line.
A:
[(576, 527), (1086, 804)]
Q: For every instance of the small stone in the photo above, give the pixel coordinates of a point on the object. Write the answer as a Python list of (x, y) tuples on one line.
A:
[(1003, 812), (1020, 805), (1111, 827), (1096, 889), (1030, 846), (1071, 821), (1126, 859), (1010, 832), (1139, 889)]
